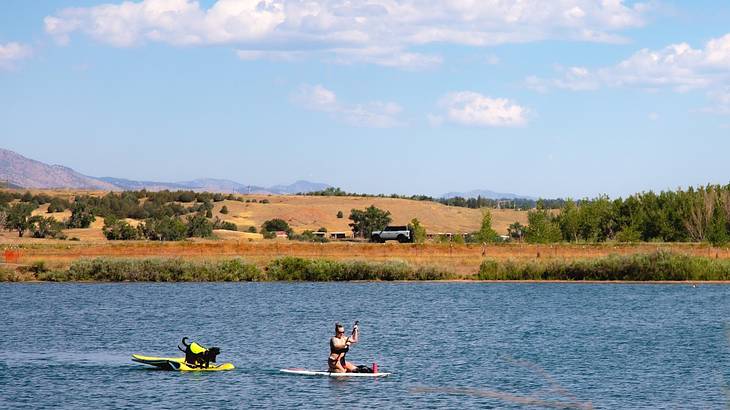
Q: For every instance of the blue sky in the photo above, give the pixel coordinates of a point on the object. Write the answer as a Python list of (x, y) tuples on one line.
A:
[(554, 99)]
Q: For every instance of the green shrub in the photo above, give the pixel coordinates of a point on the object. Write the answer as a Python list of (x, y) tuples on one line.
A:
[(629, 234), (657, 266), (115, 229), (322, 270), (199, 226), (156, 270)]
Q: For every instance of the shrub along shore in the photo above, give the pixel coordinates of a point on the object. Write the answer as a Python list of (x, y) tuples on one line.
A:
[(642, 267)]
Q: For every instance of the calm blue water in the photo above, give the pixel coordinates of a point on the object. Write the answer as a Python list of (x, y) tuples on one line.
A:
[(450, 344)]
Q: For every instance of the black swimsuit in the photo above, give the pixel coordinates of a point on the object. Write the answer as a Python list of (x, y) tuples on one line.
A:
[(336, 350)]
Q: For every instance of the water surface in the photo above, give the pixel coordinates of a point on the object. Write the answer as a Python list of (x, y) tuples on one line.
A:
[(475, 345)]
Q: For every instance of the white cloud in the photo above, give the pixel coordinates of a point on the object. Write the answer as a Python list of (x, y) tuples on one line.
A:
[(378, 31), (678, 67), (471, 108), (270, 55), (375, 114), (11, 53)]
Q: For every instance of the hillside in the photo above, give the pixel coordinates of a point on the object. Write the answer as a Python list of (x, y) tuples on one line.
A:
[(21, 171), (313, 212)]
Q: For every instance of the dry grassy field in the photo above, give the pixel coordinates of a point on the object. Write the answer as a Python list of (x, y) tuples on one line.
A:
[(314, 212)]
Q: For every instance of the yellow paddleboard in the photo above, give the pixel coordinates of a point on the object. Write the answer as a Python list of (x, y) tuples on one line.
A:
[(178, 363)]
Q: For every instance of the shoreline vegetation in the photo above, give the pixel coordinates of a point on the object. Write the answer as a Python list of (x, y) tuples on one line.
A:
[(658, 266)]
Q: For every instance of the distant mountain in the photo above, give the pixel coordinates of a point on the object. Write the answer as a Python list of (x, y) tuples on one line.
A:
[(205, 184), (299, 186), (217, 185), (8, 185), (28, 173), (18, 171), (485, 193)]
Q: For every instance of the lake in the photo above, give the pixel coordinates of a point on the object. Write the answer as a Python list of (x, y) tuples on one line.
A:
[(474, 345)]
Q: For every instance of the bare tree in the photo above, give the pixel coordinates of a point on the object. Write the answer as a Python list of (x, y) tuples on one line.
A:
[(700, 213)]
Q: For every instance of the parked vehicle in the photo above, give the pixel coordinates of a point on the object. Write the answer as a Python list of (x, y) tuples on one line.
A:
[(392, 233)]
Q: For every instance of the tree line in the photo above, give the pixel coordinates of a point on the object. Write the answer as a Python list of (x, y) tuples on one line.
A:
[(699, 214), (694, 215), (474, 203)]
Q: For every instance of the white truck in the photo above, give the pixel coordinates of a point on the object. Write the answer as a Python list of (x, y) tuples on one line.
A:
[(392, 233)]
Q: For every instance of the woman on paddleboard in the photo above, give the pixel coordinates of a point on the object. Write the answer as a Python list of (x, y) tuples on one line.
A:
[(339, 346)]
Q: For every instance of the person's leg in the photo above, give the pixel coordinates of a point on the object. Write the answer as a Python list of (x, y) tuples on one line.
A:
[(336, 367), (350, 367)]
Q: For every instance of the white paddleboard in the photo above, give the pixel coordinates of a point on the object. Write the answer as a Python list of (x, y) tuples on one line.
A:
[(305, 372)]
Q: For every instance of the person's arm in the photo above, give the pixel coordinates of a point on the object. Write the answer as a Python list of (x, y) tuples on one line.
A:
[(355, 334)]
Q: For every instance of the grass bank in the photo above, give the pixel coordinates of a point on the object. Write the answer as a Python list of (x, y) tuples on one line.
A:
[(647, 267), (235, 270), (656, 266)]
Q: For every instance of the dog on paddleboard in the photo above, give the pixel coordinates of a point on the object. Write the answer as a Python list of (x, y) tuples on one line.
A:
[(197, 355)]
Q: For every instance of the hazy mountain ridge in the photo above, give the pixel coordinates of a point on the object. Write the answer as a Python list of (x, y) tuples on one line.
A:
[(19, 171), (485, 193), (29, 173)]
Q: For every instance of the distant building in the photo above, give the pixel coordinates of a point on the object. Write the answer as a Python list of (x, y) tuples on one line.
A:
[(281, 234), (338, 235)]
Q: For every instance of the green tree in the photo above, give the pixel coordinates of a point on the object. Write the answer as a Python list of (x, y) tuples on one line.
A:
[(199, 226), (569, 221), (251, 229), (224, 210), (369, 220), (418, 231), (166, 228), (486, 233), (41, 227), (717, 229), (81, 216), (628, 234), (276, 224), (117, 229), (541, 228), (58, 205), (27, 197), (18, 218), (340, 215)]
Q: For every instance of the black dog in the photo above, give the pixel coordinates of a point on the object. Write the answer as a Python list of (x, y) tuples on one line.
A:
[(197, 355)]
